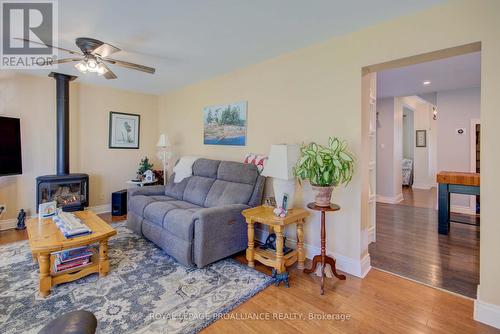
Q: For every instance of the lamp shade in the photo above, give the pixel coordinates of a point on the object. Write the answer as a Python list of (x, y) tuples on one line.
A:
[(163, 141), (281, 161)]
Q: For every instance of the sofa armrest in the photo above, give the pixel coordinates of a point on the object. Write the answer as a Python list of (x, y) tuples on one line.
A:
[(219, 232), (146, 190)]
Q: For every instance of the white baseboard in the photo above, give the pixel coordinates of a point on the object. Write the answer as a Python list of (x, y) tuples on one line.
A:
[(422, 186), (105, 208), (351, 266), (462, 209), (8, 224), (390, 199), (487, 313)]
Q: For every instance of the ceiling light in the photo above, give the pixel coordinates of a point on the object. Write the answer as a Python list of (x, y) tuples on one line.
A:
[(426, 83), (92, 65), (101, 69), (81, 66)]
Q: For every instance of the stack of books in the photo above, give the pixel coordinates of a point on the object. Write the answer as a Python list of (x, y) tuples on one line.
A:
[(72, 258), (70, 225)]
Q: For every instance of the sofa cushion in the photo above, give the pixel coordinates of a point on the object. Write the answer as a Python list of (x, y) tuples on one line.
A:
[(139, 202), (206, 168), (185, 205), (163, 198), (180, 223), (237, 172), (197, 189), (224, 192), (156, 211), (175, 190)]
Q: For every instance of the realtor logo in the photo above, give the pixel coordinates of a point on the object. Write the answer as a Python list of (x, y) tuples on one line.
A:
[(29, 30)]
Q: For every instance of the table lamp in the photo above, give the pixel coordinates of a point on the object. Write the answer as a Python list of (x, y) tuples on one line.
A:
[(279, 166), (164, 154)]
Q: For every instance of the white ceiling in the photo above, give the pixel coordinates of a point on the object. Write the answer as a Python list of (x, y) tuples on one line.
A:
[(190, 40), (444, 74)]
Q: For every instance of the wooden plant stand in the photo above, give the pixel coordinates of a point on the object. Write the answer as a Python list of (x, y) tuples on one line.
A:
[(323, 259), (45, 238)]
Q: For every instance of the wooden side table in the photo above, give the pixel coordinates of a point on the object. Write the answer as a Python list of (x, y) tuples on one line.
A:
[(279, 261), (323, 259)]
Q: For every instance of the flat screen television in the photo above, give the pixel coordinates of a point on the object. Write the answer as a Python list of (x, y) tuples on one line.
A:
[(10, 146)]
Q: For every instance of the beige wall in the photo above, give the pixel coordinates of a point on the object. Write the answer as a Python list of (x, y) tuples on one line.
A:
[(315, 92), (32, 98)]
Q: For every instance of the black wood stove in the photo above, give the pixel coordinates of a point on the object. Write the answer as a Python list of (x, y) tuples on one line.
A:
[(70, 191)]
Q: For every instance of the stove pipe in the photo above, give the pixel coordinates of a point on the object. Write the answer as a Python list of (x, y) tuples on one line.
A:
[(62, 108)]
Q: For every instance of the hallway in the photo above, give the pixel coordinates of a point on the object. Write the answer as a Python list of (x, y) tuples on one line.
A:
[(408, 244)]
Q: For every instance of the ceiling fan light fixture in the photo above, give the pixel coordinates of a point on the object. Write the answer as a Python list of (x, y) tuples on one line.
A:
[(101, 69), (92, 65), (81, 66)]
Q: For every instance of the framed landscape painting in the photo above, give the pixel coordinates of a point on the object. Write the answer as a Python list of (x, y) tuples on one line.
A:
[(225, 124), (124, 130)]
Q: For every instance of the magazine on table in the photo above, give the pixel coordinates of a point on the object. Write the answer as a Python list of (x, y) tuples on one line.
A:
[(70, 225)]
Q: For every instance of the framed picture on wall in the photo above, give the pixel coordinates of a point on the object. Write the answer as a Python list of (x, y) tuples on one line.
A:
[(225, 124), (421, 138), (124, 130)]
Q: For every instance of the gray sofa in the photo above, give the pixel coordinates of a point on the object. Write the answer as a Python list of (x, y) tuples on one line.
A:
[(198, 221)]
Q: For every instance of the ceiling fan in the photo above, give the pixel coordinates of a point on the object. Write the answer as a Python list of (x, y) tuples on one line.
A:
[(94, 56)]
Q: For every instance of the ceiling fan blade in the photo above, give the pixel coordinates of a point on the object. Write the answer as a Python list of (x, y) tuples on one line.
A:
[(50, 46), (105, 50), (132, 66), (66, 60), (108, 74)]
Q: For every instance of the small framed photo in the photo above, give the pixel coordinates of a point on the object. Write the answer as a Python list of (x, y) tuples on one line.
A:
[(124, 130), (421, 138), (47, 209)]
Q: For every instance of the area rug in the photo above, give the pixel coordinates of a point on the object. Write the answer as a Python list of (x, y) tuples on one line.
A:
[(146, 291)]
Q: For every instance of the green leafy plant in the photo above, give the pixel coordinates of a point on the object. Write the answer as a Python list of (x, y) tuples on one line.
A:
[(325, 165), (144, 166)]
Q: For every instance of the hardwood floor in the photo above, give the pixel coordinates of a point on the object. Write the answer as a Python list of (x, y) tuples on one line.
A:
[(420, 198), (408, 244), (379, 303)]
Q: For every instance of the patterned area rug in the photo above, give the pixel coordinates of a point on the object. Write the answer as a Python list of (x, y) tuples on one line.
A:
[(146, 291)]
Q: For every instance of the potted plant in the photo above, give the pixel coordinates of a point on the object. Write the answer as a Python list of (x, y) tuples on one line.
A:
[(325, 167), (143, 167)]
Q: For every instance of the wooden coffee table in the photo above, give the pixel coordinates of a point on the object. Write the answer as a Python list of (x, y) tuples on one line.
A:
[(46, 238)]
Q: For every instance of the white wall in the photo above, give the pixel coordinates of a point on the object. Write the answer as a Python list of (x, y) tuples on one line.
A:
[(385, 150), (317, 90), (424, 171), (456, 108), (408, 133), (429, 97)]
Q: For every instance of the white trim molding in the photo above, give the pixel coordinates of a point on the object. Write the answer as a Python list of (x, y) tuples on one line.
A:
[(487, 313), (372, 234), (462, 209), (422, 186), (358, 268), (390, 199), (8, 224), (104, 208)]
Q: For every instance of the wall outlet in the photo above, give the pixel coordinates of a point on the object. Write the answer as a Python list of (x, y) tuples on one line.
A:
[(3, 208)]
